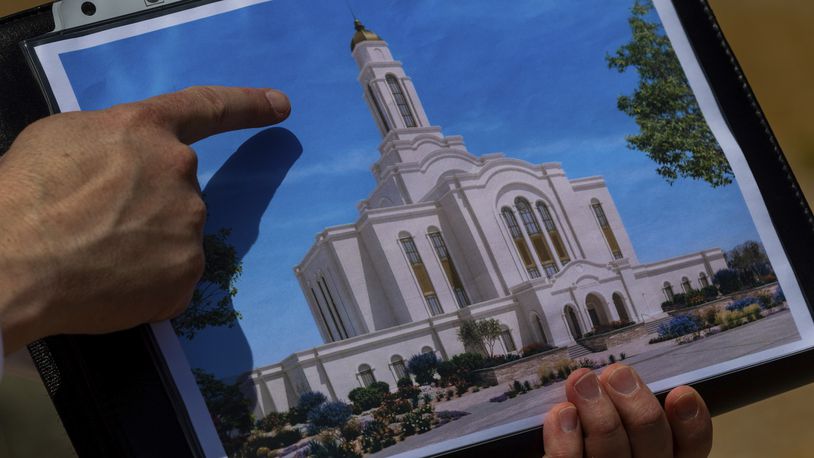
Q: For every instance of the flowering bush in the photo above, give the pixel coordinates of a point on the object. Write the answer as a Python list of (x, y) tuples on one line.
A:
[(328, 415), (679, 326), (386, 413), (743, 302)]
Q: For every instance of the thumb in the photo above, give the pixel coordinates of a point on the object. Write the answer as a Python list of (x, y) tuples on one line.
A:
[(199, 112)]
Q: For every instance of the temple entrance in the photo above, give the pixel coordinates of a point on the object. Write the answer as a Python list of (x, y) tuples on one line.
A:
[(573, 322), (596, 310), (619, 303)]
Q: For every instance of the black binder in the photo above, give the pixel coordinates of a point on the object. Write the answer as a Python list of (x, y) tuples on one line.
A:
[(114, 393)]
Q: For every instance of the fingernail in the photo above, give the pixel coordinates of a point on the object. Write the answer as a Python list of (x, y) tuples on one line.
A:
[(588, 387), (279, 102), (687, 407), (568, 419), (623, 381)]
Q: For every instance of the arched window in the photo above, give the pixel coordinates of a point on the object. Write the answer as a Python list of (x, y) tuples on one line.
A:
[(399, 369), (520, 242), (427, 350), (685, 285), (668, 291), (553, 233), (703, 280), (536, 236), (508, 340), (421, 275), (454, 280), (366, 375), (540, 328), (375, 102), (401, 101), (573, 321), (607, 231)]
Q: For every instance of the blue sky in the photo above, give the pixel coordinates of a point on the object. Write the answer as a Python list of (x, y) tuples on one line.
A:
[(527, 78)]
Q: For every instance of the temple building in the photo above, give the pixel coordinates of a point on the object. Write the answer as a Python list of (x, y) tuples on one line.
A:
[(447, 236)]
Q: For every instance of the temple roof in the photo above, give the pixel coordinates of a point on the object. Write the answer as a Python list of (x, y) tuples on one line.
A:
[(362, 34)]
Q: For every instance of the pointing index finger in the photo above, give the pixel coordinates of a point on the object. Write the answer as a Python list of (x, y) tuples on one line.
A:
[(199, 112)]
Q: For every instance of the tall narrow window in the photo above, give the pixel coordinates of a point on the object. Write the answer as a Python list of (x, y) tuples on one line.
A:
[(536, 236), (606, 229), (322, 315), (520, 242), (553, 233), (421, 275), (379, 111), (399, 370), (685, 284), (508, 340), (449, 268), (668, 291), (331, 306), (401, 101), (703, 280), (366, 375)]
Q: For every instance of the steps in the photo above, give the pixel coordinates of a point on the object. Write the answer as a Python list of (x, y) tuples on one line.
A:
[(578, 351)]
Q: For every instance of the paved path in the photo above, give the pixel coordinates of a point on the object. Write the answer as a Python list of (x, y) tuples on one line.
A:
[(662, 362)]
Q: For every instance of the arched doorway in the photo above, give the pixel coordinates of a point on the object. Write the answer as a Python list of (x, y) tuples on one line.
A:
[(596, 310), (619, 303), (573, 322)]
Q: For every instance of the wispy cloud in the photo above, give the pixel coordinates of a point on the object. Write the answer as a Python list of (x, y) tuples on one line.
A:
[(354, 161)]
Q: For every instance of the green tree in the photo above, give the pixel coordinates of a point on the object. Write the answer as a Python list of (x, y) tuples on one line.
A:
[(672, 130), (750, 259), (211, 303), (490, 331), (479, 335), (227, 406), (469, 335)]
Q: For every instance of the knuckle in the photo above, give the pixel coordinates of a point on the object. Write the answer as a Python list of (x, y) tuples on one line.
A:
[(648, 416), (197, 209), (213, 101), (606, 426), (186, 161)]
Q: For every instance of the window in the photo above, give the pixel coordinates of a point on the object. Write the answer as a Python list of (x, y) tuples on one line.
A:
[(421, 275), (334, 311), (703, 280), (668, 291), (399, 369), (606, 229), (540, 328), (378, 107), (536, 235), (449, 268), (508, 340), (553, 233), (685, 284), (366, 375), (427, 350), (322, 315), (401, 101), (520, 242)]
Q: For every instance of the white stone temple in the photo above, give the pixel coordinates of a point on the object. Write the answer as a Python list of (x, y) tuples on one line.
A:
[(447, 236)]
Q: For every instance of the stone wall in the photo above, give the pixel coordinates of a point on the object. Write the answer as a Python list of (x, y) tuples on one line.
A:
[(520, 369), (611, 339)]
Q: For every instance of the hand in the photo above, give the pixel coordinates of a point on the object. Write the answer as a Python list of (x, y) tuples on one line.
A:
[(101, 216), (616, 415)]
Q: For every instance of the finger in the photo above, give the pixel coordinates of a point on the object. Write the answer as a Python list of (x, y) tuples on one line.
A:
[(642, 416), (601, 425), (199, 112), (562, 435), (690, 421)]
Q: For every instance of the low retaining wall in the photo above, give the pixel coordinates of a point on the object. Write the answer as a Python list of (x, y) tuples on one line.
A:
[(521, 368), (721, 303), (613, 338)]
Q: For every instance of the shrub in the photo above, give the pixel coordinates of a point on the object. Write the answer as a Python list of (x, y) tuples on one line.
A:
[(622, 356), (611, 359), (527, 385), (404, 381), (423, 367), (709, 316), (516, 386), (409, 393), (727, 281), (779, 296), (272, 422), (742, 303), (381, 387), (535, 348), (709, 292), (365, 398), (331, 448), (328, 415), (376, 436), (284, 438), (460, 390), (678, 326), (391, 407), (450, 393), (310, 400), (418, 421), (351, 430)]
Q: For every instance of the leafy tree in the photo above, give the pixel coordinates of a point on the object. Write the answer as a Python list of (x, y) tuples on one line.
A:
[(727, 281), (211, 303), (672, 130), (490, 331), (479, 335), (469, 335), (423, 367), (750, 259), (228, 407)]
